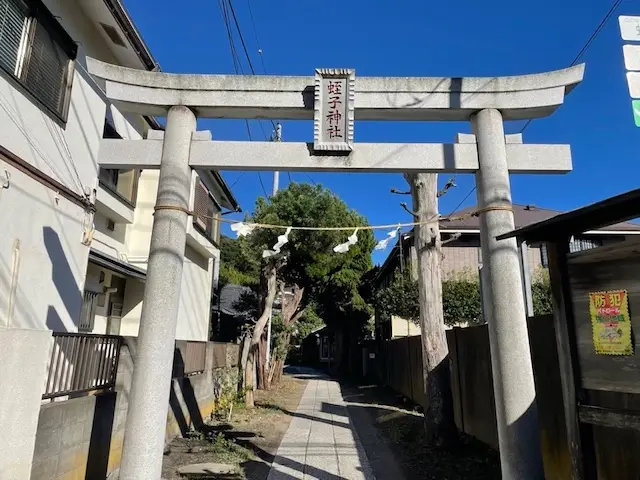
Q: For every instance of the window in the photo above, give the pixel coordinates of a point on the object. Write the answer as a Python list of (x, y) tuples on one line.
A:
[(205, 209), (88, 311), (37, 52), (124, 183)]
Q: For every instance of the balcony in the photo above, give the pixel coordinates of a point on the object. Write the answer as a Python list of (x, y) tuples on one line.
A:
[(117, 194)]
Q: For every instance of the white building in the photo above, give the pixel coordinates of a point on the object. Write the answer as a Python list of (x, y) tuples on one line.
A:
[(74, 239)]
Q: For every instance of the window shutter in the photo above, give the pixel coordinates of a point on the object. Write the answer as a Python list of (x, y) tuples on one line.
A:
[(13, 18), (46, 71)]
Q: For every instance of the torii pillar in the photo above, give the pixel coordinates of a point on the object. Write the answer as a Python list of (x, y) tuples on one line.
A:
[(486, 102)]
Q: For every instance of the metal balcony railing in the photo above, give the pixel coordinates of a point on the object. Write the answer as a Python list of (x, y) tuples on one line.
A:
[(82, 363)]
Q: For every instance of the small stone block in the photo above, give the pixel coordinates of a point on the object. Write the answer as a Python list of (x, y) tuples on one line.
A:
[(210, 470), (513, 138), (465, 138)]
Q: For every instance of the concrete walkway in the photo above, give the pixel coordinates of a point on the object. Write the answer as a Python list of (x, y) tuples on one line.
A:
[(321, 442)]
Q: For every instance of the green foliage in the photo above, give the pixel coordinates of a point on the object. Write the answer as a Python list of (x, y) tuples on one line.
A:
[(461, 301), (541, 292), (311, 262), (308, 322), (399, 298), (239, 262), (331, 280)]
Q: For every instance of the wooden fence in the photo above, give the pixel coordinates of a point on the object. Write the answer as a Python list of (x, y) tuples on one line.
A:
[(400, 367)]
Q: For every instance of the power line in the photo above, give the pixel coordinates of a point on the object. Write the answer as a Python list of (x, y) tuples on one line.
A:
[(255, 34), (238, 179), (586, 46), (463, 200), (309, 177), (264, 190), (289, 174), (244, 45)]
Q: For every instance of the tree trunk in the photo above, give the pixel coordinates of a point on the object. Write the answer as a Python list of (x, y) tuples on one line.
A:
[(248, 380), (278, 363), (438, 414), (246, 343), (261, 360), (292, 310), (268, 281)]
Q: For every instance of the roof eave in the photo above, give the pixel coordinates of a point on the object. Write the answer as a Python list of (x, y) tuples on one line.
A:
[(596, 216), (123, 19)]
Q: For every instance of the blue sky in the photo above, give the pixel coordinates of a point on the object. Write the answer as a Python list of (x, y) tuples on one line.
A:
[(422, 38)]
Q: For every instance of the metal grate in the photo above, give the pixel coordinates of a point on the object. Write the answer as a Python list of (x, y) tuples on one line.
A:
[(81, 363)]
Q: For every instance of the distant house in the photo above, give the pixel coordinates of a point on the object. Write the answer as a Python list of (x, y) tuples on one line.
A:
[(231, 312), (463, 256), (319, 347)]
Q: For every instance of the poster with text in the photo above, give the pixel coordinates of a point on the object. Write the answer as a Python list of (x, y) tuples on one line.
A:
[(611, 322)]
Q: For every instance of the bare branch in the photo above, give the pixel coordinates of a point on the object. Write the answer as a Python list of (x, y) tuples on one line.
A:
[(411, 212), (452, 238), (399, 192), (450, 183)]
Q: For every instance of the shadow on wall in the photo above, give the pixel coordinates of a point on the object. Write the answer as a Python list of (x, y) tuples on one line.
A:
[(63, 279), (181, 386), (54, 322), (101, 432)]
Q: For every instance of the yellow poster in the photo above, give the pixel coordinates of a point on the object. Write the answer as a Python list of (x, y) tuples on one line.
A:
[(611, 322)]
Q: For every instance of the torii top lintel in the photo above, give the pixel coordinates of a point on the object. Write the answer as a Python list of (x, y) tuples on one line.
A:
[(376, 98)]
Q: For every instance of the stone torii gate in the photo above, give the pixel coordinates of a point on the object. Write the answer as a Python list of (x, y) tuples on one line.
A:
[(334, 98)]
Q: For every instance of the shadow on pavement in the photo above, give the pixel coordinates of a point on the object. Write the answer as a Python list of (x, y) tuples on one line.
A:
[(392, 433)]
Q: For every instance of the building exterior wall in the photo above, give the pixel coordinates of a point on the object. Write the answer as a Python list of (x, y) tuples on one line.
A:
[(464, 258), (401, 327), (83, 437), (195, 297), (42, 259)]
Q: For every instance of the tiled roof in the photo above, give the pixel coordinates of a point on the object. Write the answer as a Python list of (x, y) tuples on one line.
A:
[(523, 215)]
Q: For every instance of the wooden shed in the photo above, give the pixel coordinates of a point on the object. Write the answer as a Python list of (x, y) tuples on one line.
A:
[(596, 299)]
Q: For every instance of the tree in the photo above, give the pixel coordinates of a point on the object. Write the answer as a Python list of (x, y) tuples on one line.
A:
[(461, 302), (541, 293), (307, 264), (438, 412), (239, 264)]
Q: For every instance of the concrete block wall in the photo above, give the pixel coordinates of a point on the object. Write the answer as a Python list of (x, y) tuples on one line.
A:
[(62, 439), (83, 437)]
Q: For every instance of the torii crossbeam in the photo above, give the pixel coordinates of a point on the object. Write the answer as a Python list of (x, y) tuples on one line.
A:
[(334, 99)]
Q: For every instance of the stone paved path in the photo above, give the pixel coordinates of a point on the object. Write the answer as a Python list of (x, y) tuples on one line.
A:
[(321, 442)]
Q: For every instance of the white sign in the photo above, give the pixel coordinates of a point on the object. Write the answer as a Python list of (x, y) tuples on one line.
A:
[(631, 57), (334, 106), (633, 80), (630, 28)]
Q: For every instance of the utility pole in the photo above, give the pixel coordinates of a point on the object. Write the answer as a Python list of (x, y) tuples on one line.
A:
[(438, 415), (276, 185)]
